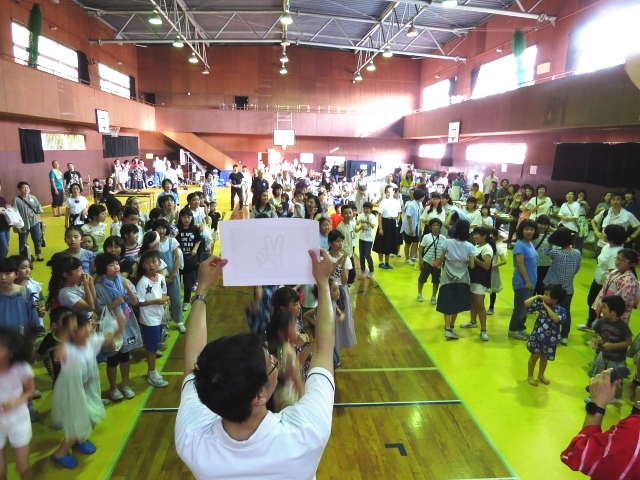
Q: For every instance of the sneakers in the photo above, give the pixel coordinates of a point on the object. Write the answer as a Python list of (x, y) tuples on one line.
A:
[(420, 299), (564, 341), (434, 301), (85, 447), (105, 401), (370, 275), (185, 307), (116, 395), (181, 328), (451, 335), (157, 381), (67, 461), (524, 332), (469, 325), (490, 311), (518, 335), (159, 353), (484, 336), (381, 265), (583, 326), (409, 262), (388, 267), (128, 393)]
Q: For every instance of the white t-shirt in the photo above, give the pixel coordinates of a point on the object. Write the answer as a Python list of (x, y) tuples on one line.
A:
[(484, 250), (487, 221), (286, 445), (151, 315), (543, 207), (76, 208), (432, 247), (338, 272), (606, 263), (624, 218), (12, 381), (198, 215), (390, 208), (366, 232), (499, 254), (99, 233), (488, 184), (573, 211), (475, 218)]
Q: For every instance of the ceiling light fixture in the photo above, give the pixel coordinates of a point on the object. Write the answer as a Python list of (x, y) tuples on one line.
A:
[(284, 58), (286, 19), (283, 70), (358, 77), (413, 31), (205, 71), (193, 58), (449, 3), (387, 52), (155, 20), (371, 67), (178, 43)]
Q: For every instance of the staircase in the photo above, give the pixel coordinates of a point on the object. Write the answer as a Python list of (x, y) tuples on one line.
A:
[(209, 154)]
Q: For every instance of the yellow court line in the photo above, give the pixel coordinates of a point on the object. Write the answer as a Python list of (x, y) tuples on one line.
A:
[(349, 370)]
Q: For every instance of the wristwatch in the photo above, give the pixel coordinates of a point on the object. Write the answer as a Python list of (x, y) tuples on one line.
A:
[(592, 408), (203, 298)]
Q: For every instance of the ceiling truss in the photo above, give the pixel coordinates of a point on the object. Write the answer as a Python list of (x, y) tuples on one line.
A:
[(202, 26)]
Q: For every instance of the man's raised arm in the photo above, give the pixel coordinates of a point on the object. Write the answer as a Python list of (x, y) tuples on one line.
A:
[(196, 336), (325, 320)]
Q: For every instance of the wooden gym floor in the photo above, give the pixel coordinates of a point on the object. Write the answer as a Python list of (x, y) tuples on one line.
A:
[(409, 404)]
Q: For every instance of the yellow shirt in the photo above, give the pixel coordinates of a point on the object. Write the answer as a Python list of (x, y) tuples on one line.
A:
[(479, 196)]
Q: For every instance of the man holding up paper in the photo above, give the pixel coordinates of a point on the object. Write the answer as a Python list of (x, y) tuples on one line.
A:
[(223, 428)]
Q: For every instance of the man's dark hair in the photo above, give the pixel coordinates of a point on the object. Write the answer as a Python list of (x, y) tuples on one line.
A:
[(103, 260), (418, 195), (615, 304), (556, 292), (616, 234), (335, 235), (229, 373), (562, 237), (128, 211), (128, 229)]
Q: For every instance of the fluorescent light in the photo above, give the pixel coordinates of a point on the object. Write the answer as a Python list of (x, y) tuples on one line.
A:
[(387, 52), (431, 151), (371, 67), (497, 153), (155, 20), (358, 77), (283, 70), (413, 31), (284, 58), (193, 58), (449, 3), (286, 19), (178, 43)]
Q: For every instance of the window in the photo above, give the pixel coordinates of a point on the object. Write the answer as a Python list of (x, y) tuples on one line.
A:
[(497, 153), (113, 81), (63, 141), (436, 95), (432, 151), (500, 75), (595, 53), (52, 56)]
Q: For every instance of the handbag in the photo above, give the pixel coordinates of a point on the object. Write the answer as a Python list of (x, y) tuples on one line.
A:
[(583, 226), (13, 218), (107, 324), (591, 238)]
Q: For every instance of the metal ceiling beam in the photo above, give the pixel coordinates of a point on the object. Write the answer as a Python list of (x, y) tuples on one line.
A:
[(389, 11), (277, 42), (203, 33), (541, 17)]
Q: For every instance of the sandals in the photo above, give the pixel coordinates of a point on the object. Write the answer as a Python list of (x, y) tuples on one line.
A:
[(67, 461)]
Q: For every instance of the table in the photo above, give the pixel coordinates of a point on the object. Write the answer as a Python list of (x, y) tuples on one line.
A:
[(148, 198)]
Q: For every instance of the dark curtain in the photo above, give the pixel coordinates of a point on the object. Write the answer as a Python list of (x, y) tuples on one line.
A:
[(83, 68), (452, 86), (607, 165), (474, 78), (573, 53), (132, 87), (31, 146), (447, 158), (114, 147)]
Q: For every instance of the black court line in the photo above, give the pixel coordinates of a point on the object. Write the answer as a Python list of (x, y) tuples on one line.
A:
[(343, 405)]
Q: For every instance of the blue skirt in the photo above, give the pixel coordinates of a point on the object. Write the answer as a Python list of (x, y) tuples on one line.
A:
[(454, 298)]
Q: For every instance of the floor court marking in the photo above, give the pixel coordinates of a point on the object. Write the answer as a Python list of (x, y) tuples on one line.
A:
[(471, 415), (353, 370), (345, 405)]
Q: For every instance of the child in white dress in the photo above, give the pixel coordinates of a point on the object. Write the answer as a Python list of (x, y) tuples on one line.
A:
[(77, 405)]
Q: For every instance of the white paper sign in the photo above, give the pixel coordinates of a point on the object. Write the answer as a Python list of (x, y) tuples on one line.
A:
[(504, 168), (268, 251), (533, 170)]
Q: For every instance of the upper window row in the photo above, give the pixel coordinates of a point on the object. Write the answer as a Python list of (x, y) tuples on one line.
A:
[(62, 61)]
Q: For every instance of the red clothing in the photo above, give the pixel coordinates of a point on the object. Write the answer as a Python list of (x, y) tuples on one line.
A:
[(609, 455), (336, 218)]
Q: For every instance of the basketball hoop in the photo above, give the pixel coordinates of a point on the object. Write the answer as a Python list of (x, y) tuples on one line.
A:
[(114, 131)]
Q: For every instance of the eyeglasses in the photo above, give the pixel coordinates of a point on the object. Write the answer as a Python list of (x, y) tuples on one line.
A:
[(274, 362)]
